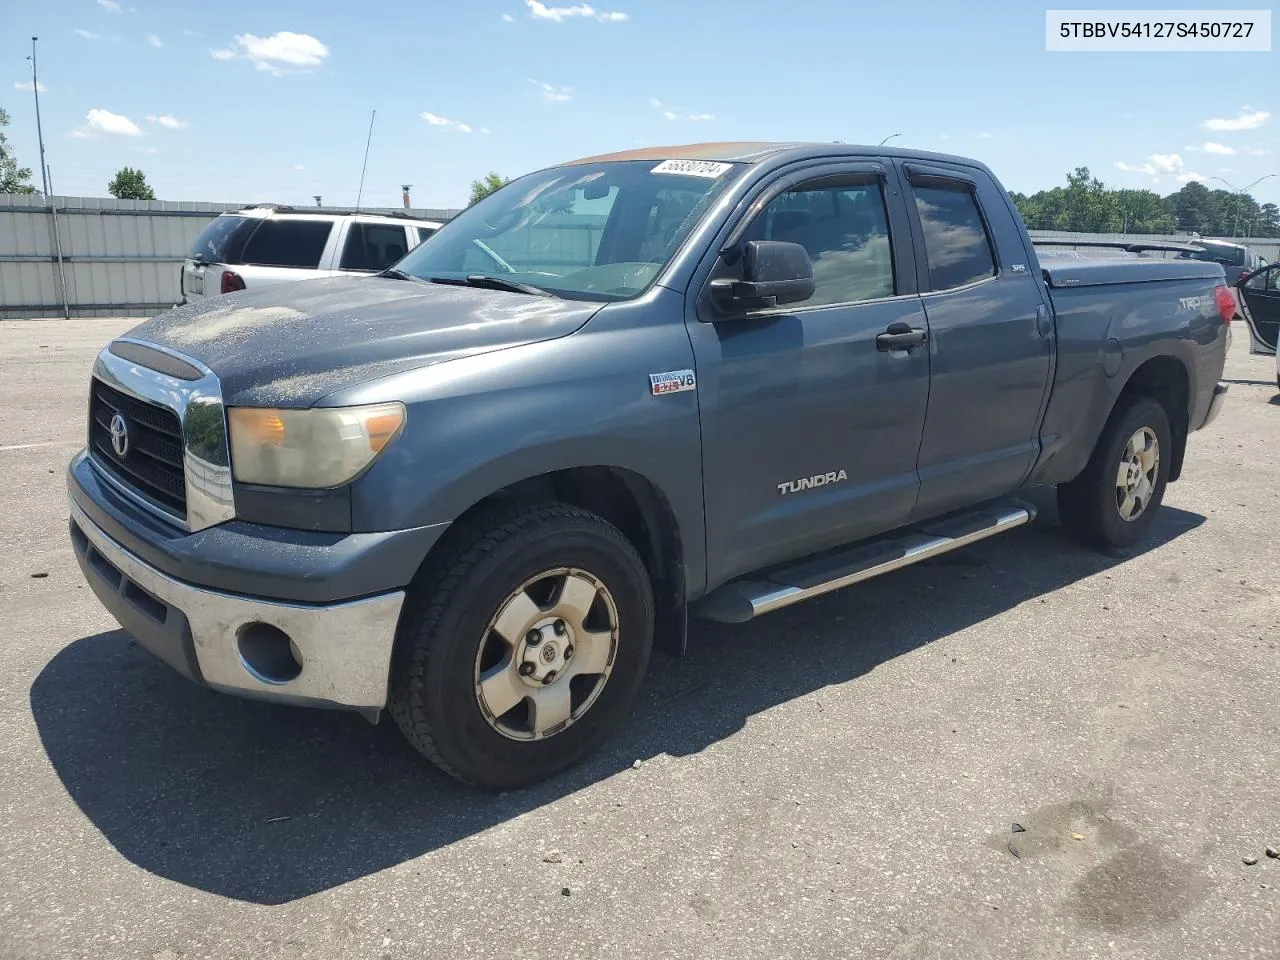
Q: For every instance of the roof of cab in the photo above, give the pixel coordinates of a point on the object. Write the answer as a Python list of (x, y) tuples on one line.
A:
[(752, 151)]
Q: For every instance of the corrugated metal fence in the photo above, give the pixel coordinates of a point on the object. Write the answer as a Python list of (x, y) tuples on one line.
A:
[(101, 257)]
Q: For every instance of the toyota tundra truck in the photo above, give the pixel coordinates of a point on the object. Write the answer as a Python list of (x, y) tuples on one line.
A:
[(476, 489)]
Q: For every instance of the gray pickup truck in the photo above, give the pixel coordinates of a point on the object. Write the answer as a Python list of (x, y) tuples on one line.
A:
[(715, 380)]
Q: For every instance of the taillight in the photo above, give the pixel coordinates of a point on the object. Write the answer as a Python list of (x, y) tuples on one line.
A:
[(231, 281), (1226, 301)]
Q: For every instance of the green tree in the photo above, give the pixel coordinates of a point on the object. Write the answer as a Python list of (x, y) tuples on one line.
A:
[(130, 184), (486, 185), (1268, 221), (13, 178)]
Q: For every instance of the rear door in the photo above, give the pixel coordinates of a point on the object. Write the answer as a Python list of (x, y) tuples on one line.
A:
[(990, 338), (372, 247), (1261, 296)]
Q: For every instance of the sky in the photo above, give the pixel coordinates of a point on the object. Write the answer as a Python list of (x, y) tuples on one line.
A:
[(271, 100)]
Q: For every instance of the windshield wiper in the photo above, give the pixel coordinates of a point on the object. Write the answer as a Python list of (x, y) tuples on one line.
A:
[(493, 283), (395, 274)]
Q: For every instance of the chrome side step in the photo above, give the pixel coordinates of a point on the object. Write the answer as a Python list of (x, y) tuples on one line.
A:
[(741, 600)]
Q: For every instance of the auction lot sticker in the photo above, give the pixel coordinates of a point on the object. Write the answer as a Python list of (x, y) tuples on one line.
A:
[(1156, 31)]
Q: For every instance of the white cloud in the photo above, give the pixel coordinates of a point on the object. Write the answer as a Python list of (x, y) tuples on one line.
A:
[(104, 121), (148, 150), (944, 136), (985, 136), (192, 33), (299, 167), (1248, 119), (1220, 149), (1158, 164), (484, 130), (508, 18), (540, 11), (154, 40), (1191, 176), (111, 6), (671, 113), (87, 34), (553, 93), (168, 122), (26, 85), (78, 134), (1255, 151), (276, 54), (438, 121)]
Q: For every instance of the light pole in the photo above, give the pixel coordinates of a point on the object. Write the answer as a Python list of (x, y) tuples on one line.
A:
[(888, 138), (35, 89), (1240, 192)]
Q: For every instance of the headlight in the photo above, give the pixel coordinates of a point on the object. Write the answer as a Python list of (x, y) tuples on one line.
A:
[(316, 448)]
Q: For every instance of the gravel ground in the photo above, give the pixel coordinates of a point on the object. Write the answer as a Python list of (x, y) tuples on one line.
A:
[(840, 779)]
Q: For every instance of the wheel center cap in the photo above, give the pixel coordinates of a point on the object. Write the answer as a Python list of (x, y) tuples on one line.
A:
[(545, 652)]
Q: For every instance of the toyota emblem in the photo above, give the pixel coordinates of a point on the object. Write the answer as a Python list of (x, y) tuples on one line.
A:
[(119, 436)]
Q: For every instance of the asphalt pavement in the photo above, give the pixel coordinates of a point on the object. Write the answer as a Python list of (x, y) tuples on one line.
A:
[(840, 779)]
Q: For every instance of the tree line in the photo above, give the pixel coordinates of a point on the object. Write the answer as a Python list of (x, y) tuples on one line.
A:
[(1087, 205)]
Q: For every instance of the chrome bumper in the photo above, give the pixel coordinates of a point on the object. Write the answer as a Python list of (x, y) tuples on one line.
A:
[(343, 650), (1215, 405)]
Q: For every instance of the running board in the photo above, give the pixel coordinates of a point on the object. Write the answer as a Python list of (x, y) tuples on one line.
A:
[(741, 600)]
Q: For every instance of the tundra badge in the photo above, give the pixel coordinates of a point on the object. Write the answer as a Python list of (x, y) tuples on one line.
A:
[(808, 483), (674, 381)]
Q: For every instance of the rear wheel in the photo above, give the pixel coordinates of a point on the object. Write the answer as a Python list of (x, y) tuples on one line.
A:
[(523, 646), (1113, 502)]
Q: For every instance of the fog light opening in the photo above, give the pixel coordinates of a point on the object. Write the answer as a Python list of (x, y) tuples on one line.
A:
[(268, 653)]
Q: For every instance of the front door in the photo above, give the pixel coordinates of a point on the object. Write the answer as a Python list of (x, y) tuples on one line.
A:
[(1261, 296), (810, 429), (990, 340)]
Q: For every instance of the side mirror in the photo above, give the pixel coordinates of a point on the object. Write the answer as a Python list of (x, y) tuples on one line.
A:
[(773, 273)]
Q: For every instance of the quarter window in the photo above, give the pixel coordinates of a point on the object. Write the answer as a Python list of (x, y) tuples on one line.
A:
[(955, 238), (288, 243), (845, 230)]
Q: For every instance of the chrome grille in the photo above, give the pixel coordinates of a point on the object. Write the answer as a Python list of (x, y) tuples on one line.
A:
[(152, 463)]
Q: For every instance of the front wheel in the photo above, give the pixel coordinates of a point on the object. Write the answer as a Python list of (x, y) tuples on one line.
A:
[(1113, 502), (523, 646)]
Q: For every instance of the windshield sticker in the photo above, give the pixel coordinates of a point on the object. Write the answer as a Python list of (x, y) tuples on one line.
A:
[(692, 168)]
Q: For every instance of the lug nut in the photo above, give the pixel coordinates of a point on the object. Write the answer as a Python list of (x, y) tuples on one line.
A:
[(559, 628), (533, 637), (568, 651), (551, 675), (526, 669)]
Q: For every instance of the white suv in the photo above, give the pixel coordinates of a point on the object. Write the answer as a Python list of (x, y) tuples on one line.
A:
[(268, 243)]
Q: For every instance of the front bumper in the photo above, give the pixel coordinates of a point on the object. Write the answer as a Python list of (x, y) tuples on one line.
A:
[(216, 638), (1215, 405)]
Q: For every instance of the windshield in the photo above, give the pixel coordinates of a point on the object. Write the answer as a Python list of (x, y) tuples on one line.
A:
[(595, 231), (1234, 256)]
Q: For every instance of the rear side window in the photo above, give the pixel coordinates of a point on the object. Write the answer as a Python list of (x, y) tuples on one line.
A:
[(424, 232), (372, 246), (222, 240), (287, 243), (955, 237)]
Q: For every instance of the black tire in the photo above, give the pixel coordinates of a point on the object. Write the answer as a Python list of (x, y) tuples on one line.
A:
[(1089, 505), (451, 603)]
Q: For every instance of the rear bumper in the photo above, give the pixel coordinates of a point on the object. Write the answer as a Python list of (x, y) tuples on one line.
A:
[(343, 649), (1215, 405)]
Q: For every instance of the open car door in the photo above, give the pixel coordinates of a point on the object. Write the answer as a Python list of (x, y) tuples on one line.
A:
[(1260, 303)]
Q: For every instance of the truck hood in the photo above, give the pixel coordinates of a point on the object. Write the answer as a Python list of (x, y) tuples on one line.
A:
[(289, 345)]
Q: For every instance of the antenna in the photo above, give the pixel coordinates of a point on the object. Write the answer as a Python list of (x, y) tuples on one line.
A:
[(368, 140), (317, 198), (405, 187)]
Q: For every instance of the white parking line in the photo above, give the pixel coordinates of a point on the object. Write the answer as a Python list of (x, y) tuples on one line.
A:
[(45, 443)]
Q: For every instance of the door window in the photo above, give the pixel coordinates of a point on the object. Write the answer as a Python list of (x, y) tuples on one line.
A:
[(956, 242), (372, 246), (844, 228)]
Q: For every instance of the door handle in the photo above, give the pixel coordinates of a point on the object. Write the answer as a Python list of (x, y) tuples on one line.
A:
[(901, 336), (1044, 321)]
